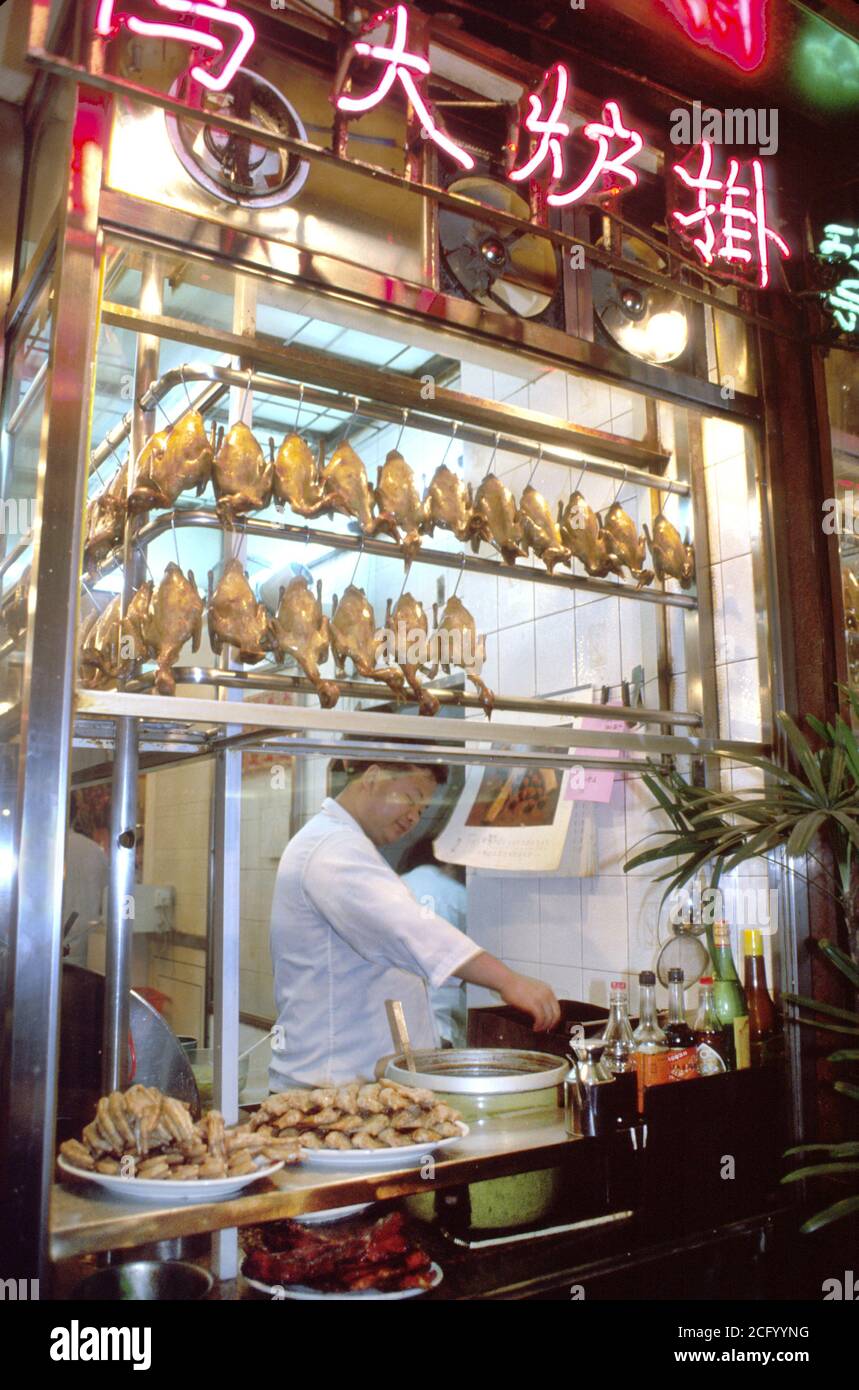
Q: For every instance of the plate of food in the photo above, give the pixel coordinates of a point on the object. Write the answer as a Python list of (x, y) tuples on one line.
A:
[(378, 1124), (142, 1145), (170, 1191), (377, 1260)]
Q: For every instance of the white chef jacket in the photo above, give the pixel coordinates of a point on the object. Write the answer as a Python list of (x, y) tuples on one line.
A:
[(346, 934)]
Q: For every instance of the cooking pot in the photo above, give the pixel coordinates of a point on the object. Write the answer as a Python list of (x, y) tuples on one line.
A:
[(484, 1082)]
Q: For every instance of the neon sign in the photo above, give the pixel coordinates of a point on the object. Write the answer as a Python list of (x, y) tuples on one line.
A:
[(735, 29), (108, 23), (552, 130), (744, 231), (402, 66), (841, 243)]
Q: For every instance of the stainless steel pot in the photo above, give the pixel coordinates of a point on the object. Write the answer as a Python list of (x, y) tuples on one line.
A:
[(146, 1281)]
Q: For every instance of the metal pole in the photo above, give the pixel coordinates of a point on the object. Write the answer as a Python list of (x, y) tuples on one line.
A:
[(123, 807), (32, 1036)]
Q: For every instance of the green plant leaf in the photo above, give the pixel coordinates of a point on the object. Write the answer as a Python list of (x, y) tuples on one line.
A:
[(803, 753), (821, 1170), (845, 1207), (841, 961), (847, 1089), (827, 1027), (850, 1149), (804, 832), (844, 1054), (818, 1006)]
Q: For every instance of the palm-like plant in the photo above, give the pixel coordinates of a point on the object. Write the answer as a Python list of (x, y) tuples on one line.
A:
[(793, 814)]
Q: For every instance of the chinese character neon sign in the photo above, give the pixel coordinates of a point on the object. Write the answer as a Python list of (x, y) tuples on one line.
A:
[(407, 68), (107, 23), (735, 29), (737, 210), (841, 243), (552, 130)]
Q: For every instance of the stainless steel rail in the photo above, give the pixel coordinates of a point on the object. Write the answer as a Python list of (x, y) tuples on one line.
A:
[(471, 564)]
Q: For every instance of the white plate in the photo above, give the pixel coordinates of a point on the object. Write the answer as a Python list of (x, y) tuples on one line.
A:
[(321, 1218), (301, 1292), (168, 1192), (408, 1156)]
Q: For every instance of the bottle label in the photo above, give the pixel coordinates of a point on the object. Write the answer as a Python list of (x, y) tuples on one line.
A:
[(709, 1061), (682, 1063), (652, 1070), (741, 1042)]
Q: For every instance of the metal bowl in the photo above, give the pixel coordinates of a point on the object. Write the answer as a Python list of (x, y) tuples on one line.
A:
[(472, 1071), (146, 1281)]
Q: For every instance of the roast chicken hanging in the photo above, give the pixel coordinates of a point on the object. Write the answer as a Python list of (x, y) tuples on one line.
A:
[(672, 558), (354, 635), (582, 533), (449, 504), (301, 630), (627, 544), (165, 620), (105, 519), (297, 481), (236, 619), (344, 480), (407, 634), (397, 496), (172, 462), (455, 642), (242, 475), (496, 519), (540, 530)]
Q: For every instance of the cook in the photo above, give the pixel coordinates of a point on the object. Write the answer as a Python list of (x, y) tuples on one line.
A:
[(346, 935)]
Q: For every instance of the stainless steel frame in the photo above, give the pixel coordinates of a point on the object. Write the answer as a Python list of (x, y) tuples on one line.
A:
[(31, 1055)]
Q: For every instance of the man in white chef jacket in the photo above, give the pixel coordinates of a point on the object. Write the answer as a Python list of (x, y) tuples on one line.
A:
[(346, 935)]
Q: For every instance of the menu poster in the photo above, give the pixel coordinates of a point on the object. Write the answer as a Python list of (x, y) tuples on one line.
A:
[(516, 819)]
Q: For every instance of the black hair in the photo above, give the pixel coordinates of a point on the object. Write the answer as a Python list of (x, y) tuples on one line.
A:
[(355, 767)]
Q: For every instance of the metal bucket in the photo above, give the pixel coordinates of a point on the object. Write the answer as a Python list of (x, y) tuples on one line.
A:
[(146, 1281)]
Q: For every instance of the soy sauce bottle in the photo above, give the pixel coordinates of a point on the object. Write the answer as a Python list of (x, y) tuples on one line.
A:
[(682, 1052)]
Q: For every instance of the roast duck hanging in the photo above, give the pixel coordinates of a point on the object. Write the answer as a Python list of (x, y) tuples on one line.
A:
[(344, 481), (407, 634), (540, 530), (297, 480), (105, 519), (301, 630), (455, 642), (242, 475), (449, 504), (496, 519), (397, 496), (354, 635), (672, 558), (236, 619), (171, 462), (164, 620), (628, 546), (583, 534)]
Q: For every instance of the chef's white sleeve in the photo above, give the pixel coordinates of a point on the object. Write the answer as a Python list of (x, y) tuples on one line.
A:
[(374, 912)]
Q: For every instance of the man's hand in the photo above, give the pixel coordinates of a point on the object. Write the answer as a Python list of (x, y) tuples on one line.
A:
[(534, 998)]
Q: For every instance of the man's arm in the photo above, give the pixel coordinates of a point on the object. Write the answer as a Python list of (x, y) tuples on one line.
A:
[(532, 996)]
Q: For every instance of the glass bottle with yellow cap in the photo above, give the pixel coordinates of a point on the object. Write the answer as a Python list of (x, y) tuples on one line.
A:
[(763, 1021)]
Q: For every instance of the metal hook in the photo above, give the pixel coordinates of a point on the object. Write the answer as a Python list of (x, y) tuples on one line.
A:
[(247, 394), (175, 538), (185, 384), (300, 404), (350, 422), (620, 485), (402, 429), (164, 413), (357, 562), (141, 551), (581, 475), (537, 463), (459, 576), (450, 442), (494, 452)]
